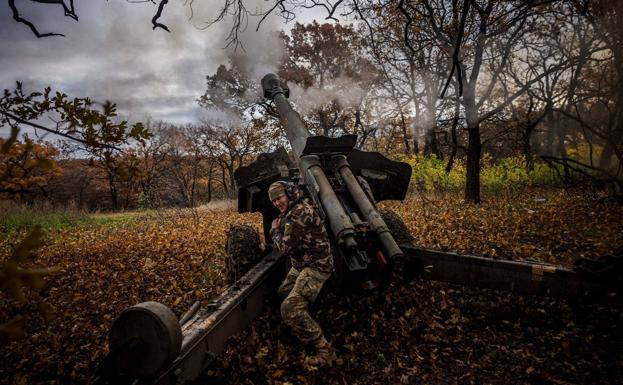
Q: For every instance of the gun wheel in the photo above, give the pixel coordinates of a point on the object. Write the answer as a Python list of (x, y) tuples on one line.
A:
[(243, 249), (145, 338), (397, 227)]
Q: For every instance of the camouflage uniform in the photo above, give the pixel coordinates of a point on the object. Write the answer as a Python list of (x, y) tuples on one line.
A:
[(302, 237)]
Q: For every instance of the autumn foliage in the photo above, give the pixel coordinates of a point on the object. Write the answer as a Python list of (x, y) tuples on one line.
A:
[(26, 166), (423, 331)]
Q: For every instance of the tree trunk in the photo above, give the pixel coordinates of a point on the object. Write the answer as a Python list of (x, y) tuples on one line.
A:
[(113, 191), (527, 147), (550, 135), (616, 133), (405, 132), (455, 140), (474, 149), (561, 130), (431, 145), (232, 181), (455, 146), (211, 167), (224, 179)]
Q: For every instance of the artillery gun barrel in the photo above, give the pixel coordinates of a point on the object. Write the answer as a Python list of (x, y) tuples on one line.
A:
[(376, 222), (315, 177), (296, 132), (309, 165)]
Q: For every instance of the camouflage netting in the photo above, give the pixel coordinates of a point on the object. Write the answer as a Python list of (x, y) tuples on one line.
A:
[(243, 251)]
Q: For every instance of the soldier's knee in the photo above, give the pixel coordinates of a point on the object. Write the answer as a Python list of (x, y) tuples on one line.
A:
[(283, 292), (290, 307)]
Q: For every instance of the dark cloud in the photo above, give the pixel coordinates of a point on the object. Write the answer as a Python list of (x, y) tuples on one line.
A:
[(113, 54)]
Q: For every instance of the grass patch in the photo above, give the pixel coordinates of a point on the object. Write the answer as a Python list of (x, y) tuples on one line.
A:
[(17, 217), (114, 219)]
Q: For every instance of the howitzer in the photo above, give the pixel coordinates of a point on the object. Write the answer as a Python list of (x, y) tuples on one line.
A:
[(343, 183), (149, 345)]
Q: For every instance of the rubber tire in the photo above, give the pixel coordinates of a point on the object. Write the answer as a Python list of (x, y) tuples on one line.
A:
[(397, 227)]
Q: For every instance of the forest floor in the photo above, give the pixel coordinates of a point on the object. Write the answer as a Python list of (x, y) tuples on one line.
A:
[(421, 332)]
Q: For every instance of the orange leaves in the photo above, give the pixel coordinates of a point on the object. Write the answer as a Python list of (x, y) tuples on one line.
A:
[(26, 165), (424, 332), (534, 224), (15, 280), (174, 259)]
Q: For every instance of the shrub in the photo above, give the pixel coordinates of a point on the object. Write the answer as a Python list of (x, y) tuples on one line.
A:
[(505, 174)]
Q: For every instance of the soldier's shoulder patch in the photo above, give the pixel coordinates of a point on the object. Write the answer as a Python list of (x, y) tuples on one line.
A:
[(287, 228)]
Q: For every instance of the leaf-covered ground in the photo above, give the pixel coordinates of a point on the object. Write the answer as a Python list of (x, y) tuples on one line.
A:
[(424, 332), (431, 333)]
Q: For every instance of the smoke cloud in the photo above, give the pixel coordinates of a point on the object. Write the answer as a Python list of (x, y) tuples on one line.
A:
[(347, 91)]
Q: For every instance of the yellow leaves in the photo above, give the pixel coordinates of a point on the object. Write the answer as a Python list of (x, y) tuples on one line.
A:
[(261, 355), (13, 277), (535, 224), (277, 374), (176, 259), (21, 380), (24, 165), (456, 316)]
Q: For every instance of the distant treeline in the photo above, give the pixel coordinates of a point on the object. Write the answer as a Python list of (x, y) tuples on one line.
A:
[(468, 83)]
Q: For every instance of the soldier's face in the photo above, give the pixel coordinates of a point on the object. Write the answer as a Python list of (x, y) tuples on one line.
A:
[(281, 203)]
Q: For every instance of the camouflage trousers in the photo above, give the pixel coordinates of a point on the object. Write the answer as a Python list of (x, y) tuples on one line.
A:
[(300, 290)]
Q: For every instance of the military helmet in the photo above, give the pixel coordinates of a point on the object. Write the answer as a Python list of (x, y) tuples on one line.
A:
[(279, 189)]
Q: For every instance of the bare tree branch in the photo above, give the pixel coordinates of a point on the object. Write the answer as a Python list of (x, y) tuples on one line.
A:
[(456, 63), (154, 20), (52, 131), (30, 25), (365, 20), (403, 10), (332, 11), (69, 10)]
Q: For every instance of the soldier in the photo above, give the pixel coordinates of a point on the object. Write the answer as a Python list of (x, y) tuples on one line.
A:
[(300, 235)]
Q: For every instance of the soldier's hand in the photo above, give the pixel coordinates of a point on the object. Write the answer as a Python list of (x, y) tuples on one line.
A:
[(275, 223)]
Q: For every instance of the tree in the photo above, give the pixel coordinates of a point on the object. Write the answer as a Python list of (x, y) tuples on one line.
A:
[(230, 146), (151, 162), (27, 166), (413, 75), (184, 163), (607, 18), (327, 61), (480, 38), (97, 131)]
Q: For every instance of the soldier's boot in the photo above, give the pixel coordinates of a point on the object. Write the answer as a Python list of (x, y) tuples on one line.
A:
[(324, 355)]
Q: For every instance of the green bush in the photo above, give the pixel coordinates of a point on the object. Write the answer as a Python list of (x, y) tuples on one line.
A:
[(429, 173), (505, 174)]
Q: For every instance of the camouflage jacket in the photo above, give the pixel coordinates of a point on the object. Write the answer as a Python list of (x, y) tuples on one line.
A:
[(301, 236)]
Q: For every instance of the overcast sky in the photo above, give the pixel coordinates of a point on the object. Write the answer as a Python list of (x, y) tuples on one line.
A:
[(113, 54)]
